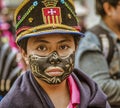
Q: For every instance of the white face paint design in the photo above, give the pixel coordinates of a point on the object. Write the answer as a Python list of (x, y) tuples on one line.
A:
[(52, 69)]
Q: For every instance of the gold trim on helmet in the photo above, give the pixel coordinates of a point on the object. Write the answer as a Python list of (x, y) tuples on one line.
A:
[(36, 29)]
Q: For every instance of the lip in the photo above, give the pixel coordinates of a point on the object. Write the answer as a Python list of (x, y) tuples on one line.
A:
[(54, 71)]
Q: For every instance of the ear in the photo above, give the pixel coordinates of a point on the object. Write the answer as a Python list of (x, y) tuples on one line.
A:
[(24, 55), (108, 8)]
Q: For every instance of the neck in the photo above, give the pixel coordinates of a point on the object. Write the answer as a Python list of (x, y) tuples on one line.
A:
[(113, 26), (49, 88)]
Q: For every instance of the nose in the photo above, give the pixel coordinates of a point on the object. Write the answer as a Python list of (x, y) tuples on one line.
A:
[(54, 58)]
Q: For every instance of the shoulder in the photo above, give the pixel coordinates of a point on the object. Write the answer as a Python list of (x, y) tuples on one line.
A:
[(88, 43), (18, 94), (84, 78), (89, 90)]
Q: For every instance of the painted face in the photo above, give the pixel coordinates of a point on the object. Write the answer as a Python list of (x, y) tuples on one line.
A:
[(52, 69), (51, 57)]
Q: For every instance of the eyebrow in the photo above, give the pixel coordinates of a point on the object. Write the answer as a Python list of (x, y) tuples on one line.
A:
[(44, 41), (65, 40), (40, 40)]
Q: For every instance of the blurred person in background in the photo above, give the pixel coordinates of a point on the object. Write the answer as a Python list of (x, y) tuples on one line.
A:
[(8, 32), (9, 68), (99, 52), (7, 28), (9, 64)]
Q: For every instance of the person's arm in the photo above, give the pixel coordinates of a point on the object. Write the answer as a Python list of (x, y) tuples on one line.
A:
[(91, 61)]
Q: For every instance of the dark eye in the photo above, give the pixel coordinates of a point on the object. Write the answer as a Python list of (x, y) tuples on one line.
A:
[(64, 47), (42, 48)]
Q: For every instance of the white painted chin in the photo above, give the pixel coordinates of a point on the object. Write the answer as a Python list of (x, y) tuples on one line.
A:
[(54, 71)]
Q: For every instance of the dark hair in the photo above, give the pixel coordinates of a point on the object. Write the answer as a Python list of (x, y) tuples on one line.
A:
[(77, 39), (23, 43), (99, 6)]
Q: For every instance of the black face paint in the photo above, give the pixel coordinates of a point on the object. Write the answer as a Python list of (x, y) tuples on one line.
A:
[(40, 64)]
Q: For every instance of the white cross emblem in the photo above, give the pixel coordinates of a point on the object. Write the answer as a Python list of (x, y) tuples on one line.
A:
[(51, 12)]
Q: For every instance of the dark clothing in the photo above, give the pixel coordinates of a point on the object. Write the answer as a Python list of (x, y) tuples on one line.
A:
[(9, 68), (26, 93)]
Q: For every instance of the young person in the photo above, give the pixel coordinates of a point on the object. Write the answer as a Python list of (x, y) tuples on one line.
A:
[(47, 34)]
